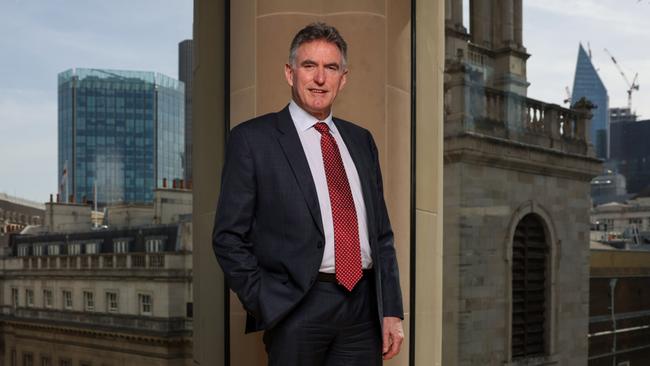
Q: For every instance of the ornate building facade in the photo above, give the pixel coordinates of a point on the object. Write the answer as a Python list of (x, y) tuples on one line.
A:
[(120, 294), (516, 209)]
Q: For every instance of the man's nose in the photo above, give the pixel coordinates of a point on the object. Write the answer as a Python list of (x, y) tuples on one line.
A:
[(319, 78)]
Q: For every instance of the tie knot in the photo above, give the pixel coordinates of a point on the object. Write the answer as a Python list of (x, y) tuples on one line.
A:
[(322, 127)]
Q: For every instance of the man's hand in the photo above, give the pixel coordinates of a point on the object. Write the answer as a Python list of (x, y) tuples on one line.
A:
[(393, 336)]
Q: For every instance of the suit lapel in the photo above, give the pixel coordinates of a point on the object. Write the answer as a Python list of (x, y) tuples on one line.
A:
[(359, 153), (293, 151)]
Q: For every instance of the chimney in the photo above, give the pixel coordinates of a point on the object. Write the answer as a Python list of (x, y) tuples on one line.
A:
[(164, 183), (174, 183), (71, 198), (58, 198), (182, 184), (51, 197)]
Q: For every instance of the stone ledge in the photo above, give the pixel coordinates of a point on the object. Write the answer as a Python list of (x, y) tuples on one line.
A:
[(513, 155)]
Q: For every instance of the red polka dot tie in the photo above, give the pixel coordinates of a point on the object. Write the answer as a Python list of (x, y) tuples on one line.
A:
[(347, 250)]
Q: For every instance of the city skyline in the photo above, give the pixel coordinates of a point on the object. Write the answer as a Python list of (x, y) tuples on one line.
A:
[(46, 38), (54, 38)]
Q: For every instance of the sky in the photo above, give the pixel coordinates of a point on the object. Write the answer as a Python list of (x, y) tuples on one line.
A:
[(553, 29), (40, 38)]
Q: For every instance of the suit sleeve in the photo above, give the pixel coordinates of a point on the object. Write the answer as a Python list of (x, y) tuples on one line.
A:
[(233, 222), (390, 286)]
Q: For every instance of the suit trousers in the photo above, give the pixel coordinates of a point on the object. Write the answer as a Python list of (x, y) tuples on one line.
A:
[(329, 327)]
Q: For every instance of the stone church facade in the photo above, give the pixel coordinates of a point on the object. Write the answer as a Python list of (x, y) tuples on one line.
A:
[(516, 202)]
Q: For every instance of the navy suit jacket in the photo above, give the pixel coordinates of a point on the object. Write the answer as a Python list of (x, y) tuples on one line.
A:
[(268, 232)]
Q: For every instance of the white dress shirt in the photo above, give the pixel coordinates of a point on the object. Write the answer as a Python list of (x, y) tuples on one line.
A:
[(310, 139)]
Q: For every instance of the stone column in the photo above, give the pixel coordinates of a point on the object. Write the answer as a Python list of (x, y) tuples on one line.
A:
[(428, 256), (481, 22), (377, 96), (518, 23), (507, 24), (208, 136), (448, 16), (454, 14)]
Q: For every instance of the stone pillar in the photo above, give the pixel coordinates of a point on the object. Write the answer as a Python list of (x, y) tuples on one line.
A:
[(448, 16), (505, 37), (454, 14), (518, 23), (481, 22), (429, 109), (207, 159), (377, 96)]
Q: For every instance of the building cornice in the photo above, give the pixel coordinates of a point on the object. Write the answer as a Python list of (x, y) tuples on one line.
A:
[(480, 149)]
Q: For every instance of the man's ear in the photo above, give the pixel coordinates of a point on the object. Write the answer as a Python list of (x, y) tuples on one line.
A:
[(288, 74)]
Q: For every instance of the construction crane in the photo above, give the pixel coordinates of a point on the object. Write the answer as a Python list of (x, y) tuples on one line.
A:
[(634, 85)]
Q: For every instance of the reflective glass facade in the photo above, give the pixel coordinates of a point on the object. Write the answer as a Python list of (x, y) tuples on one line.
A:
[(122, 131), (588, 84)]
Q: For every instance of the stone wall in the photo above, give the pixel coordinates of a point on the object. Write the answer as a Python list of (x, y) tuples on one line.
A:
[(490, 185)]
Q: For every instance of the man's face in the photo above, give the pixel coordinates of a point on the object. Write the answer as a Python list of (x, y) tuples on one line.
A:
[(317, 76)]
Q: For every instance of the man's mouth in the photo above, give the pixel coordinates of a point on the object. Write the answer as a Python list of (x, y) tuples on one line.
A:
[(318, 91)]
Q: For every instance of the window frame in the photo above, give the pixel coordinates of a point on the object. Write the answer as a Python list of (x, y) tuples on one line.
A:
[(89, 300), (142, 304), (65, 304)]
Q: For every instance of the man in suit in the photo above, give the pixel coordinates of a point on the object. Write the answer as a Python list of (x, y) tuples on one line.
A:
[(302, 232)]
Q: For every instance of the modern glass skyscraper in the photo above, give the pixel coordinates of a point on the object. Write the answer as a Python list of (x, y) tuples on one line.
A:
[(588, 84), (119, 131)]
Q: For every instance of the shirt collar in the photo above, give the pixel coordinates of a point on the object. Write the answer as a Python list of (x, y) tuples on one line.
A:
[(304, 121)]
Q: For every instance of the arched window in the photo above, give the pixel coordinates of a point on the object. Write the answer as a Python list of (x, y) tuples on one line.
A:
[(529, 288)]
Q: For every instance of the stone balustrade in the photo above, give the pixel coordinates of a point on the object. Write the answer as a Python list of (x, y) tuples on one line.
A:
[(506, 115), (99, 262), (154, 325)]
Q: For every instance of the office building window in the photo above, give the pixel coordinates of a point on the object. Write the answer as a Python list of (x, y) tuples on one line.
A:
[(111, 302), (67, 299), (74, 249), (90, 248), (53, 249), (146, 304), (47, 298), (65, 362), (121, 246), (46, 361), (38, 249), (29, 297), (23, 250), (89, 301), (154, 245)]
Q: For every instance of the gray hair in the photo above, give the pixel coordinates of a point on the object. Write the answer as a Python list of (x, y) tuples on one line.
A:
[(318, 31)]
